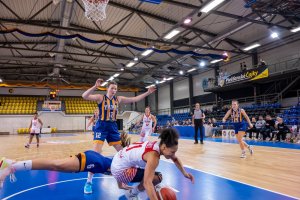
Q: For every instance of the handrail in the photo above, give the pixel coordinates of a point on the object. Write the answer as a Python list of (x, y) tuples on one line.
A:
[(263, 98)]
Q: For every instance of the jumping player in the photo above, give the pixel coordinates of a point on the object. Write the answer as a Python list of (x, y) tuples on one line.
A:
[(138, 162), (35, 130), (147, 128), (106, 127), (240, 127)]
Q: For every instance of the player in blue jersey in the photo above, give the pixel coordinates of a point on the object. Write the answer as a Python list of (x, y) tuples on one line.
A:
[(106, 127), (240, 127), (88, 161)]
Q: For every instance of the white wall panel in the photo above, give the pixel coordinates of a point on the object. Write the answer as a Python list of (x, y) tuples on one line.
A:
[(197, 82), (181, 89), (164, 97)]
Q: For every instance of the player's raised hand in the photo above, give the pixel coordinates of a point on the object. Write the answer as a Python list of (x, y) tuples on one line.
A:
[(99, 82), (151, 89)]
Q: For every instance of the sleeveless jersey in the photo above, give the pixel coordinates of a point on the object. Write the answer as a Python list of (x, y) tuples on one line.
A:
[(132, 155), (236, 116), (95, 117), (35, 124), (147, 122), (108, 109)]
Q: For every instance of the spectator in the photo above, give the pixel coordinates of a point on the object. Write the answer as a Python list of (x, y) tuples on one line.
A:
[(262, 63), (268, 131), (215, 128), (209, 122), (260, 125), (282, 130), (253, 129), (244, 66)]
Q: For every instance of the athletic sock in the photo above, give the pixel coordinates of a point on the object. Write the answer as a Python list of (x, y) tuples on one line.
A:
[(22, 165), (90, 177), (135, 190)]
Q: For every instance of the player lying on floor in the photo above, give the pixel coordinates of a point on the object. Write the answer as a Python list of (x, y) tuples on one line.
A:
[(88, 161)]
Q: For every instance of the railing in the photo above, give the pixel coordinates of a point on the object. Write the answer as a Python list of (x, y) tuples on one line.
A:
[(262, 99)]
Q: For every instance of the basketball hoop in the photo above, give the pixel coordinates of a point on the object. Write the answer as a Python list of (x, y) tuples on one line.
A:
[(95, 9), (52, 108)]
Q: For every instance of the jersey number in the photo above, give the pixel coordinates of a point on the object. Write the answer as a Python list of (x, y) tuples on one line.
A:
[(135, 145)]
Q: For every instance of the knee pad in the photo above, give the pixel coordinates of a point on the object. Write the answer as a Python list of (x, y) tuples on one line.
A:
[(159, 175)]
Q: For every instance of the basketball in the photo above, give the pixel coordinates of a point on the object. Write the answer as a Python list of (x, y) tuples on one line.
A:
[(166, 193)]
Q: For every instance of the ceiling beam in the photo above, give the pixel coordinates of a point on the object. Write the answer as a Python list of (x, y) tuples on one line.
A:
[(92, 31), (166, 20)]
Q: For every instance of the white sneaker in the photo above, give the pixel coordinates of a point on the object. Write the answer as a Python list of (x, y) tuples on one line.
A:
[(131, 196), (243, 155), (250, 148), (6, 170)]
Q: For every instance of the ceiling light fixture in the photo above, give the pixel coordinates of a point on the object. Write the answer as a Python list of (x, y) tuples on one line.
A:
[(294, 30), (172, 34), (130, 64), (211, 5), (147, 52), (190, 70), (251, 47), (187, 20)]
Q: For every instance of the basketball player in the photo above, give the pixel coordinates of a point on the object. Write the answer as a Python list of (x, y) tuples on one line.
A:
[(240, 127), (88, 161), (106, 127), (138, 162), (148, 120), (35, 130), (93, 120)]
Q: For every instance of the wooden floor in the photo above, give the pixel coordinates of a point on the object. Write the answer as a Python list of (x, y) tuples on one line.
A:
[(274, 169)]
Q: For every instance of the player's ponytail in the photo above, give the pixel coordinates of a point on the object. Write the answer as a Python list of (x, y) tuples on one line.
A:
[(125, 139), (169, 137)]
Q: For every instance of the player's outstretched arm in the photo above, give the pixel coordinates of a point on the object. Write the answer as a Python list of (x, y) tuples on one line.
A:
[(179, 165)]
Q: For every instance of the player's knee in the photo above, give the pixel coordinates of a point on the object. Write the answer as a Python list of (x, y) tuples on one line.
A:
[(57, 166), (157, 178)]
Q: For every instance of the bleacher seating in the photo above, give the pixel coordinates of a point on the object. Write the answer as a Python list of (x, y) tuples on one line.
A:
[(182, 116), (26, 130), (18, 105), (253, 110), (291, 116), (77, 105), (163, 119)]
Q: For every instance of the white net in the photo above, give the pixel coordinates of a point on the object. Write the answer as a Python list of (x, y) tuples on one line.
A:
[(95, 9)]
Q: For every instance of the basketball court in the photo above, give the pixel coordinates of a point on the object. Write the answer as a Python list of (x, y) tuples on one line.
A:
[(193, 51), (217, 170)]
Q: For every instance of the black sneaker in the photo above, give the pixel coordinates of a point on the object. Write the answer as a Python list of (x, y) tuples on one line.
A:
[(195, 142), (201, 142)]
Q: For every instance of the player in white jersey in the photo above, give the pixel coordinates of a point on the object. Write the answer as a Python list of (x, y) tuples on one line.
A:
[(137, 163), (148, 120), (34, 130)]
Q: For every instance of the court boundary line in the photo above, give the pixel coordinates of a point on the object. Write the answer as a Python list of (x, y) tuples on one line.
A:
[(220, 176), (238, 143), (53, 183)]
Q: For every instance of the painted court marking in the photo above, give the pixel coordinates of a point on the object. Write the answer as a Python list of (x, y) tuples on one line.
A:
[(190, 167), (65, 181)]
